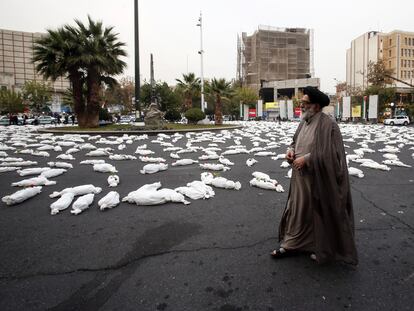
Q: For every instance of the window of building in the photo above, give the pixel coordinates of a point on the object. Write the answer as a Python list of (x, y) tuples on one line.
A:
[(389, 53), (409, 41), (406, 40), (402, 52), (389, 64), (402, 63), (390, 41), (401, 74)]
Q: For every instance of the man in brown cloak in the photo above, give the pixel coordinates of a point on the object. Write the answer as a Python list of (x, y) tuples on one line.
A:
[(318, 217)]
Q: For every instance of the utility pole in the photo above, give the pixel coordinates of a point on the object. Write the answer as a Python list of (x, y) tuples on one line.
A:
[(201, 52), (137, 74)]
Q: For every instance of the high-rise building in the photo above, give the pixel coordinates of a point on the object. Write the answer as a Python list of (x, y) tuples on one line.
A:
[(395, 49), (274, 54), (16, 67)]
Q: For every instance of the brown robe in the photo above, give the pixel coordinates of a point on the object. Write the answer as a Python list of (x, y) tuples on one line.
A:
[(328, 219)]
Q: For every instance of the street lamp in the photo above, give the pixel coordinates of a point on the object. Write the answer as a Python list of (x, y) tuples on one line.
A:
[(201, 52)]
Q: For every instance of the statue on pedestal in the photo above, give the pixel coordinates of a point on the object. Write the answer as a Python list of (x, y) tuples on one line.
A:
[(154, 117)]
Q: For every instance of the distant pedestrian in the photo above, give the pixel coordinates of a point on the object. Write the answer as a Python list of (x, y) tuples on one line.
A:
[(72, 117), (318, 217), (66, 119)]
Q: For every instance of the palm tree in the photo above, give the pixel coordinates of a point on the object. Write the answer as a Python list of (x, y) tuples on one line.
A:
[(190, 86), (59, 54), (221, 90), (87, 55), (101, 60)]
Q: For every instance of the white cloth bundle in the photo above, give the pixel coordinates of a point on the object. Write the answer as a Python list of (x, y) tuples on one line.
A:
[(92, 162), (285, 164), (21, 195), (62, 203), (214, 167), (65, 157), (375, 165), (18, 163), (60, 164), (32, 171), (151, 159), (113, 180), (109, 201), (121, 157), (35, 181), (395, 163), (104, 168), (196, 190), (289, 174), (150, 195), (82, 203), (72, 150), (144, 152), (214, 156), (53, 172), (41, 154), (219, 182), (225, 161), (78, 190), (87, 146), (355, 172), (264, 154), (9, 169), (250, 162), (390, 156), (280, 156), (153, 168), (97, 153), (174, 155), (182, 162), (266, 185)]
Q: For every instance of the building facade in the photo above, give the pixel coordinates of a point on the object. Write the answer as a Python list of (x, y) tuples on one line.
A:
[(16, 67), (274, 54), (395, 49)]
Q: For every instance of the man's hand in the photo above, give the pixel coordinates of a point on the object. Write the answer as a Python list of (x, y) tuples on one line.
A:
[(290, 156), (299, 163)]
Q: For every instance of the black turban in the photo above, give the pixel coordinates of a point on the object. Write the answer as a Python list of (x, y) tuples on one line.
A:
[(316, 96)]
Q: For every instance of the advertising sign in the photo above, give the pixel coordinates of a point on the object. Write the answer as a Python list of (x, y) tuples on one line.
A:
[(356, 111), (298, 112), (252, 112)]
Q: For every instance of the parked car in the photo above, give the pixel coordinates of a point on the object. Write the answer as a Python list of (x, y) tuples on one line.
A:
[(125, 119), (5, 120), (44, 120), (397, 120)]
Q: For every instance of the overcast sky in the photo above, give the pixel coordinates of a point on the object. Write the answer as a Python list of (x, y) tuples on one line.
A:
[(168, 28)]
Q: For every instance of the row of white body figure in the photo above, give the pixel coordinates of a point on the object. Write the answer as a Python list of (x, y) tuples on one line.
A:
[(263, 136)]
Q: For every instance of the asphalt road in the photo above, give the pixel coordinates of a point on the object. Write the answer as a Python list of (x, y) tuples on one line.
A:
[(209, 255)]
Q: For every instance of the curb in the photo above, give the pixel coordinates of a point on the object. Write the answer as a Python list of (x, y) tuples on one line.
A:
[(147, 132)]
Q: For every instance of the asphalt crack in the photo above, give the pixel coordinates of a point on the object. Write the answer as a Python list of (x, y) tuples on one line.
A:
[(132, 261), (411, 228)]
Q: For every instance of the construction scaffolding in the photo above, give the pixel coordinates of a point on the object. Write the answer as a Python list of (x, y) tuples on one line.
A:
[(274, 54)]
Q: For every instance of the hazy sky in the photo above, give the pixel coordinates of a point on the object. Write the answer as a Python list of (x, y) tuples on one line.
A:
[(168, 28)]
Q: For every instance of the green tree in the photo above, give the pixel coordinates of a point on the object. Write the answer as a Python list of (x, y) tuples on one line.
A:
[(378, 74), (221, 90), (11, 101), (88, 55), (37, 95), (190, 86), (167, 98)]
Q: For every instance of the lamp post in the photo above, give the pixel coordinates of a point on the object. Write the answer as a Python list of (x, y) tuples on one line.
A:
[(137, 80), (201, 52)]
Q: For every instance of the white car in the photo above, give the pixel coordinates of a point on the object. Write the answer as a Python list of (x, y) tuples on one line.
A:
[(397, 120), (42, 120)]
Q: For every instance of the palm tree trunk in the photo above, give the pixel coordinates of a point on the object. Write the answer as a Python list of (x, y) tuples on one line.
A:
[(92, 109), (79, 105), (218, 114)]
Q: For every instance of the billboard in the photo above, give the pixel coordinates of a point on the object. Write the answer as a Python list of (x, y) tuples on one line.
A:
[(373, 107), (356, 111), (346, 107), (252, 112), (271, 105), (290, 109)]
